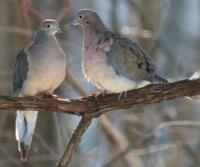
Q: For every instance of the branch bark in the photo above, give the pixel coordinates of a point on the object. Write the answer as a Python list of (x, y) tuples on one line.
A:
[(74, 141), (94, 107)]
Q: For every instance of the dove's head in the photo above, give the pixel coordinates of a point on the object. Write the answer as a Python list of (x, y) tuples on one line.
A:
[(50, 26), (88, 18)]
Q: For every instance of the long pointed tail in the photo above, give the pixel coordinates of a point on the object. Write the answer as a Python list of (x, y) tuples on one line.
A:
[(25, 126)]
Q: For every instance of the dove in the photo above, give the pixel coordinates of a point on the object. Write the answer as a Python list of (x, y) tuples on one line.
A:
[(110, 61), (39, 69)]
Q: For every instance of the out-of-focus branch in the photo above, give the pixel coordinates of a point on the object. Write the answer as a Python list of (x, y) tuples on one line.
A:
[(94, 107), (144, 151), (113, 134), (135, 150), (62, 14), (16, 30), (32, 12), (70, 79), (74, 141), (24, 7), (181, 123)]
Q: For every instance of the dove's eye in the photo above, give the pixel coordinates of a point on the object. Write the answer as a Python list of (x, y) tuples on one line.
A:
[(81, 17), (48, 25)]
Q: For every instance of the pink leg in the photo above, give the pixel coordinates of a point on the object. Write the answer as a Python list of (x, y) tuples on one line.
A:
[(37, 97), (56, 97), (122, 95), (102, 93)]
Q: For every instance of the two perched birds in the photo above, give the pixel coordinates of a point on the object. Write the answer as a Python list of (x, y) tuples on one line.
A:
[(110, 61)]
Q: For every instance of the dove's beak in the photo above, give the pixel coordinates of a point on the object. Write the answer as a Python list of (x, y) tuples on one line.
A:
[(59, 31), (74, 23)]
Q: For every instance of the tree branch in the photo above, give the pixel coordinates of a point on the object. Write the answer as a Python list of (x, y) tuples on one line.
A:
[(74, 141), (149, 94)]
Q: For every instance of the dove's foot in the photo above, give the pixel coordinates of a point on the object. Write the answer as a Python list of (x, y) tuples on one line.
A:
[(45, 95), (122, 96), (56, 97), (100, 94), (37, 97)]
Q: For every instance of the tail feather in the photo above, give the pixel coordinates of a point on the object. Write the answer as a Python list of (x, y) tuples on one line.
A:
[(24, 149), (25, 126), (160, 79)]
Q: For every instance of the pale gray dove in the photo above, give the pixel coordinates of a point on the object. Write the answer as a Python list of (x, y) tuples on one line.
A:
[(39, 69), (111, 61)]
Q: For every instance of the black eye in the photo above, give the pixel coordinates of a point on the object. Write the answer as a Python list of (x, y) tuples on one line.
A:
[(48, 25), (80, 17)]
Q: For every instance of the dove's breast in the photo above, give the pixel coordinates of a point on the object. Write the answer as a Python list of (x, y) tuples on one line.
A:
[(102, 75), (45, 71)]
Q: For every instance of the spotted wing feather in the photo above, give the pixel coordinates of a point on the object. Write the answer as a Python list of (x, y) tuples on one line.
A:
[(129, 59)]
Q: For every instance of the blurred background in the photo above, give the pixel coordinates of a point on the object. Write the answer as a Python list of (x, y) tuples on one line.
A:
[(159, 135)]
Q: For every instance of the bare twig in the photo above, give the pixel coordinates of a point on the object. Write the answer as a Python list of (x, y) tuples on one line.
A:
[(16, 30), (2, 123), (74, 141), (192, 154), (70, 79), (32, 159), (112, 133), (143, 151), (44, 144), (178, 123), (60, 141), (135, 150), (6, 153), (26, 17), (63, 12)]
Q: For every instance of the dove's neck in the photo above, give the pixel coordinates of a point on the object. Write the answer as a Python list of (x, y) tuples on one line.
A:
[(44, 37), (91, 36)]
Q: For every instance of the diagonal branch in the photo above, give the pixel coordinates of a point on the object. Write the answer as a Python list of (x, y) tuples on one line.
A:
[(74, 141), (153, 93)]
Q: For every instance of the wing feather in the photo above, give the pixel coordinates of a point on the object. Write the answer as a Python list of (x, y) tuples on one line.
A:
[(129, 59), (20, 71)]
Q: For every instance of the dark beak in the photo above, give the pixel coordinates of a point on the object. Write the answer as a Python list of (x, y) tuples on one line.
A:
[(74, 23), (59, 31)]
